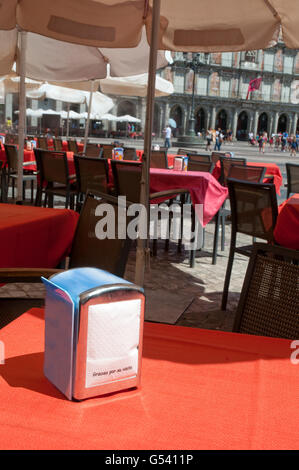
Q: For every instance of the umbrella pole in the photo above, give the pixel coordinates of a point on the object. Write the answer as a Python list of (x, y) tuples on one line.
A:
[(22, 114), (68, 121), (88, 115), (143, 245)]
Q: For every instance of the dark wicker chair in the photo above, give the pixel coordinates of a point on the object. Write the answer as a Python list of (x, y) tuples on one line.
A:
[(54, 177), (194, 165), (72, 145), (42, 143), (127, 179), (130, 153), (269, 301), (292, 178), (110, 254), (159, 159), (253, 212), (196, 157), (93, 150), (185, 152), (91, 175), (10, 173), (107, 150), (223, 213), (256, 174), (58, 147)]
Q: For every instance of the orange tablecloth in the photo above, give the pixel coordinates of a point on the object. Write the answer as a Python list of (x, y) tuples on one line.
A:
[(34, 236), (271, 169), (200, 389), (286, 231)]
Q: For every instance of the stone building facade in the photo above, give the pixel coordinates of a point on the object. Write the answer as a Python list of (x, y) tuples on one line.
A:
[(221, 86)]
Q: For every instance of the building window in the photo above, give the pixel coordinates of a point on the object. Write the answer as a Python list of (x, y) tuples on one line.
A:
[(266, 91), (227, 59), (288, 64), (224, 88), (202, 85), (178, 82), (285, 94), (268, 61), (250, 56)]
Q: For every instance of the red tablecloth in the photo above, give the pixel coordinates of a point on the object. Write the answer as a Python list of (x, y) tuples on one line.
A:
[(203, 187), (34, 236), (272, 170), (286, 231), (200, 389)]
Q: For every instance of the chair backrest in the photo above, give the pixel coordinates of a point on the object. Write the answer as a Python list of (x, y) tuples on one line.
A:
[(255, 174), (130, 153), (253, 208), (91, 174), (269, 302), (226, 163), (11, 156), (58, 145), (194, 165), (107, 150), (11, 138), (72, 145), (54, 167), (292, 178), (42, 143), (127, 179), (158, 159), (93, 150), (196, 157), (185, 152), (88, 249)]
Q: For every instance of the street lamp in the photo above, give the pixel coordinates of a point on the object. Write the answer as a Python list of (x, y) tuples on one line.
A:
[(194, 64)]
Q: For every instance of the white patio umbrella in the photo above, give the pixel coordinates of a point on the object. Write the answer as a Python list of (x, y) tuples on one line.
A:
[(172, 24), (100, 103), (127, 118), (135, 85)]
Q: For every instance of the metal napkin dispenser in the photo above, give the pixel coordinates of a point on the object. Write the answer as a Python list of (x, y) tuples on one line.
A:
[(93, 332)]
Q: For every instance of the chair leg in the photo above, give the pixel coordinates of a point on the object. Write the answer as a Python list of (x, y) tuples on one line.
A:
[(216, 238), (192, 252), (228, 272), (13, 187), (222, 232)]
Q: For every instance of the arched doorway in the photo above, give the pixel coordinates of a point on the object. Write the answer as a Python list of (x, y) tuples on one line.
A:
[(262, 123), (176, 113), (221, 120), (242, 126), (200, 119), (282, 123)]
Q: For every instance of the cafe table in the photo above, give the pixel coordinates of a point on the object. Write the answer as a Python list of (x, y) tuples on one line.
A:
[(203, 188), (286, 232), (200, 389), (35, 236)]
